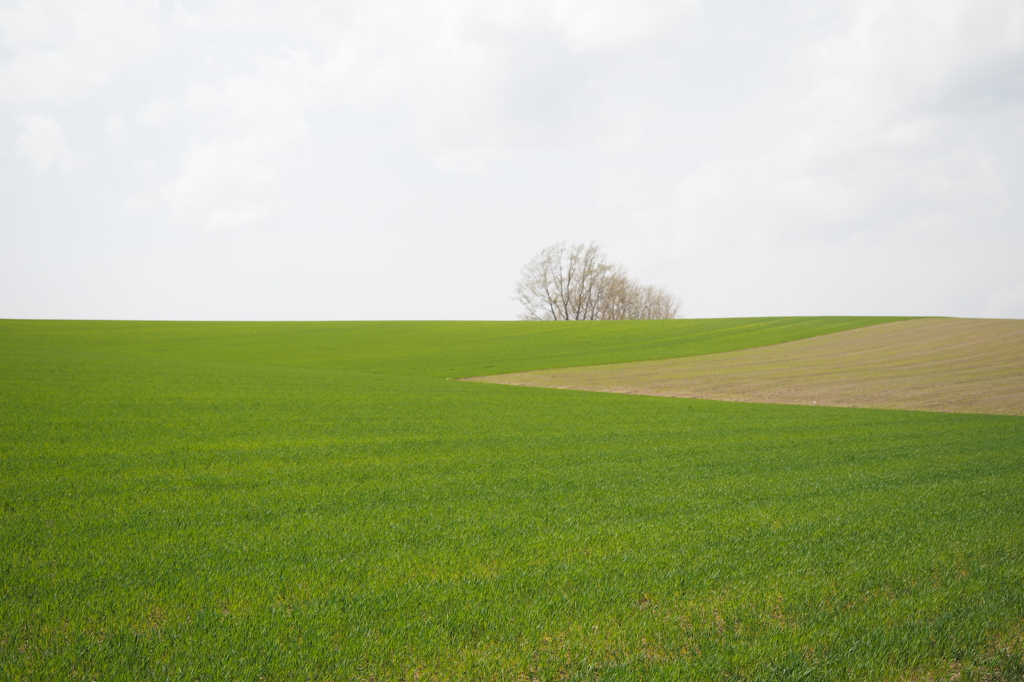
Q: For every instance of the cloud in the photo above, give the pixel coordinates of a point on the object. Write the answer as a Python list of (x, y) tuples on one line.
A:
[(468, 85), (62, 52), (238, 124), (894, 123), (601, 24), (42, 144), (219, 184)]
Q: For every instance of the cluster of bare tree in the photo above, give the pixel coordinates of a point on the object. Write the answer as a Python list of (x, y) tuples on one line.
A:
[(578, 282)]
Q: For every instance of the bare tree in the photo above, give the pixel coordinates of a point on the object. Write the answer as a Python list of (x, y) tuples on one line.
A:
[(579, 283), (625, 299), (563, 283)]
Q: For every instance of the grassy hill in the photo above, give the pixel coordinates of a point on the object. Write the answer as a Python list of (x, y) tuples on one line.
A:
[(427, 349), (315, 501)]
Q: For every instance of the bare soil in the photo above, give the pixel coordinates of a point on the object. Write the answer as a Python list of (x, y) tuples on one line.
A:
[(935, 364)]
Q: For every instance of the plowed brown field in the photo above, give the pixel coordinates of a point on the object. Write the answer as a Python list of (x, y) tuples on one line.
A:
[(936, 364)]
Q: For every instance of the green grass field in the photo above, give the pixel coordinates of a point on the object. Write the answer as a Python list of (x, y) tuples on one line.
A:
[(245, 501)]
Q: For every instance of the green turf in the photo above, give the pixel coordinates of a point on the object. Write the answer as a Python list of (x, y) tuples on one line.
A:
[(315, 501), (429, 349)]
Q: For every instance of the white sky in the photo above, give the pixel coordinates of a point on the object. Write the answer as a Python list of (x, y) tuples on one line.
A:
[(403, 160)]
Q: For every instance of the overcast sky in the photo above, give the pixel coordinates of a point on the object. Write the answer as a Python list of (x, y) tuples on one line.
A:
[(375, 159)]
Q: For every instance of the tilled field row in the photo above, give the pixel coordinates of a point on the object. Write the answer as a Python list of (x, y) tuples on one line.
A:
[(932, 364)]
